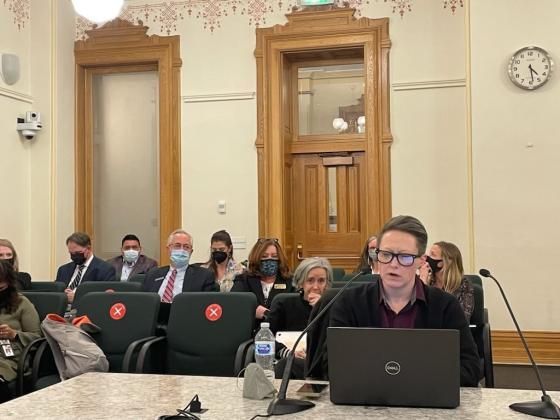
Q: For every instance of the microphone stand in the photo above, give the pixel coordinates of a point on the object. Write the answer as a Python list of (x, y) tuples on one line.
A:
[(545, 408), (282, 405)]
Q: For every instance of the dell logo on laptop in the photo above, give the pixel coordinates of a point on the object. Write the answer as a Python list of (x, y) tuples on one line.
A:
[(392, 368)]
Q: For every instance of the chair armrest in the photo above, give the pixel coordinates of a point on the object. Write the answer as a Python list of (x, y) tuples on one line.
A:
[(132, 348), (241, 356), (144, 350), (23, 362)]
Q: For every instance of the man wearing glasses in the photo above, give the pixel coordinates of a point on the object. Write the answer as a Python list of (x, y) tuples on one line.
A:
[(401, 299), (179, 276)]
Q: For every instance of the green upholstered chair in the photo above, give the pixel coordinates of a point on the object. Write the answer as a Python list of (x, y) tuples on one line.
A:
[(104, 286), (208, 334), (126, 319), (338, 273), (47, 286), (137, 278)]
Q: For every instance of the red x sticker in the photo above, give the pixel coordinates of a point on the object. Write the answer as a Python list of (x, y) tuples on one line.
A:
[(213, 312), (110, 291), (117, 311)]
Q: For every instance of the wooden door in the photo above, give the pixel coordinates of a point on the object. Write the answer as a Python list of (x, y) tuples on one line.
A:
[(328, 218)]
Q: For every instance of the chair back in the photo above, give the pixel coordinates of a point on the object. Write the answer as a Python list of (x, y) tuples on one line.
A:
[(104, 286), (206, 331), (338, 273), (480, 329), (123, 317), (47, 286), (47, 302), (363, 278), (137, 278)]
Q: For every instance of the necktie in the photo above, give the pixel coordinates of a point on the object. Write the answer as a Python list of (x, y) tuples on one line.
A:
[(78, 278), (168, 292)]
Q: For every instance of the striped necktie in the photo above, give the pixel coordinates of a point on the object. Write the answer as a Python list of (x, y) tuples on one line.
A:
[(76, 282), (168, 292)]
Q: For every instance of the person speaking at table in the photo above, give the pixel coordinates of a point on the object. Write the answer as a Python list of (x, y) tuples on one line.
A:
[(401, 300)]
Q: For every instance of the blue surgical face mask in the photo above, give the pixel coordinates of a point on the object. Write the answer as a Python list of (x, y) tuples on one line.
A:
[(130, 255), (269, 267), (180, 258), (372, 255)]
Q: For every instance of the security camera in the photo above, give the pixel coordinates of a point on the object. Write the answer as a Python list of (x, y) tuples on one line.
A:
[(30, 125)]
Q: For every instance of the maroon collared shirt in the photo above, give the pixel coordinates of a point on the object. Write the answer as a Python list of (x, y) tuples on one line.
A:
[(407, 316)]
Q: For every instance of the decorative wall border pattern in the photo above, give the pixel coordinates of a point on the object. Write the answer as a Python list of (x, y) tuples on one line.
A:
[(20, 10), (167, 14), (19, 96)]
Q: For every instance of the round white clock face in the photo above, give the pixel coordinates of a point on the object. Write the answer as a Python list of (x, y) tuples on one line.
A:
[(530, 68)]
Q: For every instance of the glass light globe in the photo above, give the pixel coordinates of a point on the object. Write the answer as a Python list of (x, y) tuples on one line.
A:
[(98, 11), (337, 123), (362, 120)]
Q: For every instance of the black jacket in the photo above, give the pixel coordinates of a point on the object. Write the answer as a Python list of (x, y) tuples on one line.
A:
[(247, 282), (359, 307), (290, 314), (23, 281), (197, 279), (98, 270)]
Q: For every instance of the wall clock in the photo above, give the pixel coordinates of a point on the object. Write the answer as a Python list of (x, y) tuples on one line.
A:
[(530, 67)]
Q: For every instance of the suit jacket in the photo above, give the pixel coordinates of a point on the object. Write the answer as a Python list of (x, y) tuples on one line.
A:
[(23, 281), (143, 265), (359, 307), (197, 279), (247, 282), (98, 270)]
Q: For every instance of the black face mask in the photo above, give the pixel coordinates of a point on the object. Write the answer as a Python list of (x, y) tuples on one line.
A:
[(219, 256), (10, 260), (78, 258), (434, 264)]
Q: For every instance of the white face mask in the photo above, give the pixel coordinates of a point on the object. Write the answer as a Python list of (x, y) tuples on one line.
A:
[(130, 255)]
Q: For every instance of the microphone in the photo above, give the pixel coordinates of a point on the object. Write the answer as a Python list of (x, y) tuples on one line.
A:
[(545, 408), (282, 405)]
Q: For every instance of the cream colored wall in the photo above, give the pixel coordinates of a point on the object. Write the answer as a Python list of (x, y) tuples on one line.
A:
[(516, 199), (15, 100)]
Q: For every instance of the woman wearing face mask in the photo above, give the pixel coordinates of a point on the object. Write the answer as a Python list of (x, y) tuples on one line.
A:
[(8, 253), (268, 274), (19, 326), (221, 261), (368, 259), (444, 270)]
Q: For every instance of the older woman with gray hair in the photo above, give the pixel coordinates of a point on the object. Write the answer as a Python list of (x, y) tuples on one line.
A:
[(312, 277)]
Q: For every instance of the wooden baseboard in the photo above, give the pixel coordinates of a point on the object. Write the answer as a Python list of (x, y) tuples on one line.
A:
[(508, 348)]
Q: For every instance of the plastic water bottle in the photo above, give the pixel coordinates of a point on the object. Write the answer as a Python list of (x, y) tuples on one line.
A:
[(265, 350)]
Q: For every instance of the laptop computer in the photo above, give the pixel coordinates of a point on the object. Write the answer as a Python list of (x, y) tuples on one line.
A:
[(394, 367)]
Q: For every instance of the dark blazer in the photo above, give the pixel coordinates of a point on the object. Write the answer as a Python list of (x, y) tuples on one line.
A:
[(197, 279), (143, 265), (98, 270), (289, 314), (23, 281), (247, 282), (359, 307)]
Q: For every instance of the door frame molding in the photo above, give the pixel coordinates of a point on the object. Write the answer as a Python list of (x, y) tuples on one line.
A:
[(121, 46), (316, 29)]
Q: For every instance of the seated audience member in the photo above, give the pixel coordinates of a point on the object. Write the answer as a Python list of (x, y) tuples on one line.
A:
[(179, 276), (8, 253), (312, 277), (131, 261), (84, 266), (401, 299), (368, 257), (268, 274), (221, 261), (19, 326), (444, 269)]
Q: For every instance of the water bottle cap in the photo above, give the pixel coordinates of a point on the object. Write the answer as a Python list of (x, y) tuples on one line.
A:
[(265, 324)]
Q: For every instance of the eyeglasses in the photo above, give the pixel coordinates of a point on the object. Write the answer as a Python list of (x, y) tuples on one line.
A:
[(406, 260), (186, 247)]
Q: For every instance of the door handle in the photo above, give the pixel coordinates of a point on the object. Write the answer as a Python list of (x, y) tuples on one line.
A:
[(299, 254)]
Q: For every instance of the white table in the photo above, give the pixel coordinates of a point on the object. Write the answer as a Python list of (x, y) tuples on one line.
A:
[(128, 396)]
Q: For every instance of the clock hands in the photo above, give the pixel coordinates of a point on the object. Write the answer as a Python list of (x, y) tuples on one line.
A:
[(532, 71)]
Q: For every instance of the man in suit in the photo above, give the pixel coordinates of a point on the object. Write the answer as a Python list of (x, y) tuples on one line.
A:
[(131, 261), (84, 266), (179, 277)]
